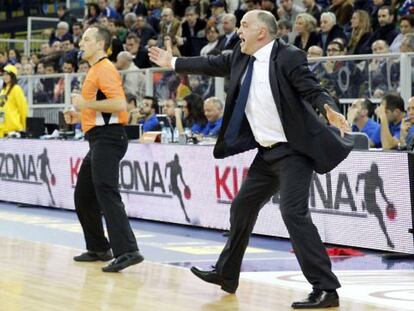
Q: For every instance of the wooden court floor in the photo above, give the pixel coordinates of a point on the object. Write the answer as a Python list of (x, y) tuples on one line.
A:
[(36, 276)]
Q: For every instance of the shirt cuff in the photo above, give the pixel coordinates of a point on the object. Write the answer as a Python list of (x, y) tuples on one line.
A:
[(173, 60)]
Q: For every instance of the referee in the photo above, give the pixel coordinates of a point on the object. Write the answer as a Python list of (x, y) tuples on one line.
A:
[(101, 109)]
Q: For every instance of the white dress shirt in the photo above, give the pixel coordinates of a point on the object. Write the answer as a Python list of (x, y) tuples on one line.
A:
[(261, 108)]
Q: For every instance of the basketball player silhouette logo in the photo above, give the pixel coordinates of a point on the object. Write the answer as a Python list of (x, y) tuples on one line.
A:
[(43, 159), (372, 182), (175, 172)]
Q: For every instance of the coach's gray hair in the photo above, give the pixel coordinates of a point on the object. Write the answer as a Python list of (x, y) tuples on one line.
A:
[(269, 20)]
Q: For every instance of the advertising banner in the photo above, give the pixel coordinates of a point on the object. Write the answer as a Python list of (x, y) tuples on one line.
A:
[(364, 202)]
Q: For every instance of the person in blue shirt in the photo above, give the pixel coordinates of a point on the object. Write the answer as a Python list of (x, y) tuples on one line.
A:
[(213, 110), (407, 128), (107, 10), (149, 110), (390, 113), (360, 117)]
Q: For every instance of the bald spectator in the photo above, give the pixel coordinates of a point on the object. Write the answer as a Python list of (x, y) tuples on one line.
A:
[(213, 110), (360, 118), (383, 73), (406, 26), (315, 67), (230, 38), (134, 81), (288, 11), (329, 30), (193, 33), (386, 30)]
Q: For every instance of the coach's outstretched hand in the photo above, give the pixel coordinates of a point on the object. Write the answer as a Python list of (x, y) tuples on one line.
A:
[(161, 57)]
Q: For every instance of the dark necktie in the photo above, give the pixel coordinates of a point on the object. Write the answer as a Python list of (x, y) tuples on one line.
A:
[(233, 129)]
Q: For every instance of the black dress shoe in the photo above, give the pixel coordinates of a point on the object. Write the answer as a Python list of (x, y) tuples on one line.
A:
[(211, 276), (124, 261), (90, 256), (318, 299)]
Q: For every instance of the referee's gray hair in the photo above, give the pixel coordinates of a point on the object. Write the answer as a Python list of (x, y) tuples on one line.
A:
[(269, 20)]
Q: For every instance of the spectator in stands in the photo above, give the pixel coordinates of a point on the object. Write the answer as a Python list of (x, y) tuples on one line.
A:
[(315, 67), (217, 13), (271, 6), (407, 44), (130, 20), (65, 16), (202, 6), (59, 89), (34, 59), (92, 14), (246, 6), (213, 110), (70, 53), (373, 12), (119, 8), (149, 111), (133, 82), (383, 73), (361, 33), (24, 59), (360, 118), (45, 49), (230, 37), (193, 111), (407, 7), (61, 34), (386, 31), (313, 9), (193, 33), (305, 26), (342, 78), (170, 26), (284, 31), (169, 109), (133, 111), (77, 31), (212, 34), (144, 30), (140, 54), (390, 113), (288, 11), (407, 128), (13, 103), (4, 60), (48, 83), (406, 26), (329, 30), (107, 11), (343, 10), (116, 44), (27, 70), (13, 56), (136, 6), (83, 67)]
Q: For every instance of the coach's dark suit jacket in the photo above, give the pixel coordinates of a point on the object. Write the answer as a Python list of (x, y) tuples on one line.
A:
[(295, 90)]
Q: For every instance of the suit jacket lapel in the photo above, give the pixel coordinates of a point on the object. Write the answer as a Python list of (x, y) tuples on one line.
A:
[(274, 85)]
